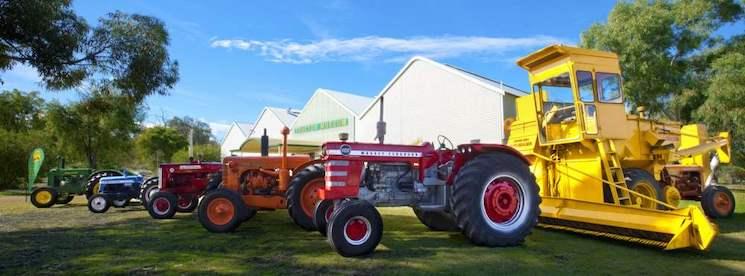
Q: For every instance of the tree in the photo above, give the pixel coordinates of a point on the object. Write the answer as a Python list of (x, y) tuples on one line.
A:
[(21, 111), (660, 44), (125, 51), (202, 131), (100, 127), (160, 143), (205, 152), (21, 130), (724, 107)]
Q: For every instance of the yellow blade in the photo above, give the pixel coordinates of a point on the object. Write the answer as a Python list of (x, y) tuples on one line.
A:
[(680, 228)]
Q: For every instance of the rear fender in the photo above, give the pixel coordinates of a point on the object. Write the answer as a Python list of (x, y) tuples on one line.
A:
[(307, 164), (466, 152)]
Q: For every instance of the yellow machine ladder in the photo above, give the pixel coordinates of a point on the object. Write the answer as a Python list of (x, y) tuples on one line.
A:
[(613, 172)]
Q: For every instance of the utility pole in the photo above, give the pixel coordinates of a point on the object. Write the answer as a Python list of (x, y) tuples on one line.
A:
[(191, 142)]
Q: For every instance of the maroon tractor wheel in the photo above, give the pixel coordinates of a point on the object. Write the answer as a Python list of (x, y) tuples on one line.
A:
[(186, 204), (162, 205)]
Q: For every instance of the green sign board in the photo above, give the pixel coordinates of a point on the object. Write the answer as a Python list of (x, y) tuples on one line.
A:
[(322, 125), (34, 165)]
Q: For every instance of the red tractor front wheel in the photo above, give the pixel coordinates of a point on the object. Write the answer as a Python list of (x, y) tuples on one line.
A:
[(322, 214), (162, 205), (355, 229)]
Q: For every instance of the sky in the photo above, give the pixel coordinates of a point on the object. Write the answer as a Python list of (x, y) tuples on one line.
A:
[(235, 57)]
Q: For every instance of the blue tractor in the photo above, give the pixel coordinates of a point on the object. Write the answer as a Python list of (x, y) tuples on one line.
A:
[(115, 191)]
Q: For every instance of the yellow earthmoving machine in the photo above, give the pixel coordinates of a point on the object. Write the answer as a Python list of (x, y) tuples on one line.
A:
[(607, 173)]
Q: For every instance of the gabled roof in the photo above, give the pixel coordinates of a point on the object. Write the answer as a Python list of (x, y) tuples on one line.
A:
[(352, 103), (286, 115), (508, 89), (246, 128), (485, 82)]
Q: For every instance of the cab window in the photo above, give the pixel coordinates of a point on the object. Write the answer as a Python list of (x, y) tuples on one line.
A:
[(609, 87), (584, 81), (557, 90), (558, 99)]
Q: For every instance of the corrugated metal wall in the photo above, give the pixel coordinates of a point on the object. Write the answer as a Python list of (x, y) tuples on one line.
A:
[(321, 120), (427, 101)]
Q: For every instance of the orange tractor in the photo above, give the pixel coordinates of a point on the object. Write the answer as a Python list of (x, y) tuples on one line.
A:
[(262, 183)]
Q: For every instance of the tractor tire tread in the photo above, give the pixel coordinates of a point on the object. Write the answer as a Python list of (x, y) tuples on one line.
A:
[(469, 182), (294, 207)]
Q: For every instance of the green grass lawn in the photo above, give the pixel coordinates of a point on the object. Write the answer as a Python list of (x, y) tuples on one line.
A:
[(71, 240)]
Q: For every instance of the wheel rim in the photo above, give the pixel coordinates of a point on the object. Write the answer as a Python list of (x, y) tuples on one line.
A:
[(98, 203), (672, 196), (161, 206), (357, 230), (220, 211), (149, 194), (503, 202), (309, 195), (647, 190), (722, 203), (43, 197), (329, 211), (184, 203)]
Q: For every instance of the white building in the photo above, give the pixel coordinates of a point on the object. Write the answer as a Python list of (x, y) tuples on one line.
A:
[(328, 113), (237, 133), (273, 119), (427, 98)]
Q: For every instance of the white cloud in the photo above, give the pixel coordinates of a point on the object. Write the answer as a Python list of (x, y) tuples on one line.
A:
[(383, 48), (151, 124), (219, 129)]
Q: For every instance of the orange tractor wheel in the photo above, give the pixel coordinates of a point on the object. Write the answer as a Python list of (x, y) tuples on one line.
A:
[(718, 201), (222, 211), (302, 195)]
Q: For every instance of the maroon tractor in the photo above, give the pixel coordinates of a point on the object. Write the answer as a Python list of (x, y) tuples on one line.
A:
[(484, 190), (179, 187)]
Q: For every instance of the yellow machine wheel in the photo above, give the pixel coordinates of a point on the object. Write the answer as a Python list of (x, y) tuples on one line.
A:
[(43, 197), (642, 182), (672, 195)]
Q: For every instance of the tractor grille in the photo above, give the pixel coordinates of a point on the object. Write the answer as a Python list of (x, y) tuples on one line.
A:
[(115, 188), (336, 173)]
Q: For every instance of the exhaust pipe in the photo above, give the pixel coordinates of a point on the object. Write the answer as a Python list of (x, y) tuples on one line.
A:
[(264, 144)]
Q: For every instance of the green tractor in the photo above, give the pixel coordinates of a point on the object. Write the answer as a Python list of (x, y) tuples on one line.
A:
[(64, 183)]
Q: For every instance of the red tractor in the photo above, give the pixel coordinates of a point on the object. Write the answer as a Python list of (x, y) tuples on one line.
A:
[(485, 190), (178, 187)]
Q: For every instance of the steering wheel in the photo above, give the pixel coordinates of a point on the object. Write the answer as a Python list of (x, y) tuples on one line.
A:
[(559, 115), (441, 139)]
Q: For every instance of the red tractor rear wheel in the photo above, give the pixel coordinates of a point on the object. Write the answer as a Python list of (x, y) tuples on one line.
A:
[(495, 200), (186, 203)]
